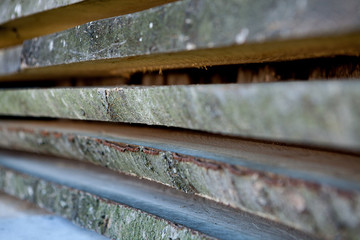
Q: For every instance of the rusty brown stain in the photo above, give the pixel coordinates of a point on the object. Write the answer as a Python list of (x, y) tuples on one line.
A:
[(181, 158), (19, 129), (207, 164), (309, 185), (44, 133), (25, 130), (240, 171), (198, 161), (71, 138), (12, 129), (345, 194), (277, 181), (100, 141), (151, 151), (117, 146), (57, 134), (132, 148)]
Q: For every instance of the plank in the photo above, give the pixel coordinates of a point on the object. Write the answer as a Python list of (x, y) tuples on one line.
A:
[(231, 171), (315, 113), (35, 223), (55, 138), (127, 203), (195, 33), (21, 20), (10, 9)]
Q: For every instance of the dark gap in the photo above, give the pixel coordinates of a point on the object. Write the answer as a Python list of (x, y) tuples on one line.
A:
[(339, 67), (327, 68)]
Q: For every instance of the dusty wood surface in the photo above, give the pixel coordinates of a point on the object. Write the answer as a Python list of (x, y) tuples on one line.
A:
[(10, 9), (316, 113), (36, 223), (71, 189), (194, 34), (303, 163), (26, 19), (296, 187), (9, 59)]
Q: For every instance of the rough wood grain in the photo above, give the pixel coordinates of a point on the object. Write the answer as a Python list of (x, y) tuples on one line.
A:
[(308, 164), (296, 187), (13, 9), (317, 113), (196, 33), (71, 190), (26, 19), (36, 223)]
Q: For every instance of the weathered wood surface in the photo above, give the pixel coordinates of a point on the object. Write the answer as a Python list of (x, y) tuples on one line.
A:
[(196, 33), (296, 187), (318, 113), (12, 9), (55, 138), (9, 59), (70, 189), (36, 223), (26, 19)]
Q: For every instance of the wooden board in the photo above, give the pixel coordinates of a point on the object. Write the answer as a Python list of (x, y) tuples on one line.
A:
[(156, 212), (232, 171), (313, 113), (195, 34), (36, 223), (293, 161), (21, 20)]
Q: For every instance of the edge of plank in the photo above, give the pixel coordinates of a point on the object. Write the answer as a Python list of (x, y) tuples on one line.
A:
[(156, 206), (315, 113), (264, 179), (27, 19)]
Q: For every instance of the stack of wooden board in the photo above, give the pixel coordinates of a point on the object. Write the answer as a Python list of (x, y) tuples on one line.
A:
[(194, 119)]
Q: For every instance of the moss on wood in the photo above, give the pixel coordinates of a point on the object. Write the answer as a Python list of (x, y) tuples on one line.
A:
[(109, 218), (318, 113), (315, 208)]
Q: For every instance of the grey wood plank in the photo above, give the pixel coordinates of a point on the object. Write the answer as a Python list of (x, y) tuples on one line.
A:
[(26, 19), (128, 204), (315, 113), (12, 9), (36, 223), (295, 186), (196, 33)]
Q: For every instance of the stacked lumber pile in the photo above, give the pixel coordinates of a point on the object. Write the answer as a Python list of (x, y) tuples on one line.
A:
[(193, 119)]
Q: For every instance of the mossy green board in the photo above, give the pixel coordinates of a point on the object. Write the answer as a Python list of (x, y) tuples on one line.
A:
[(122, 207), (316, 113)]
